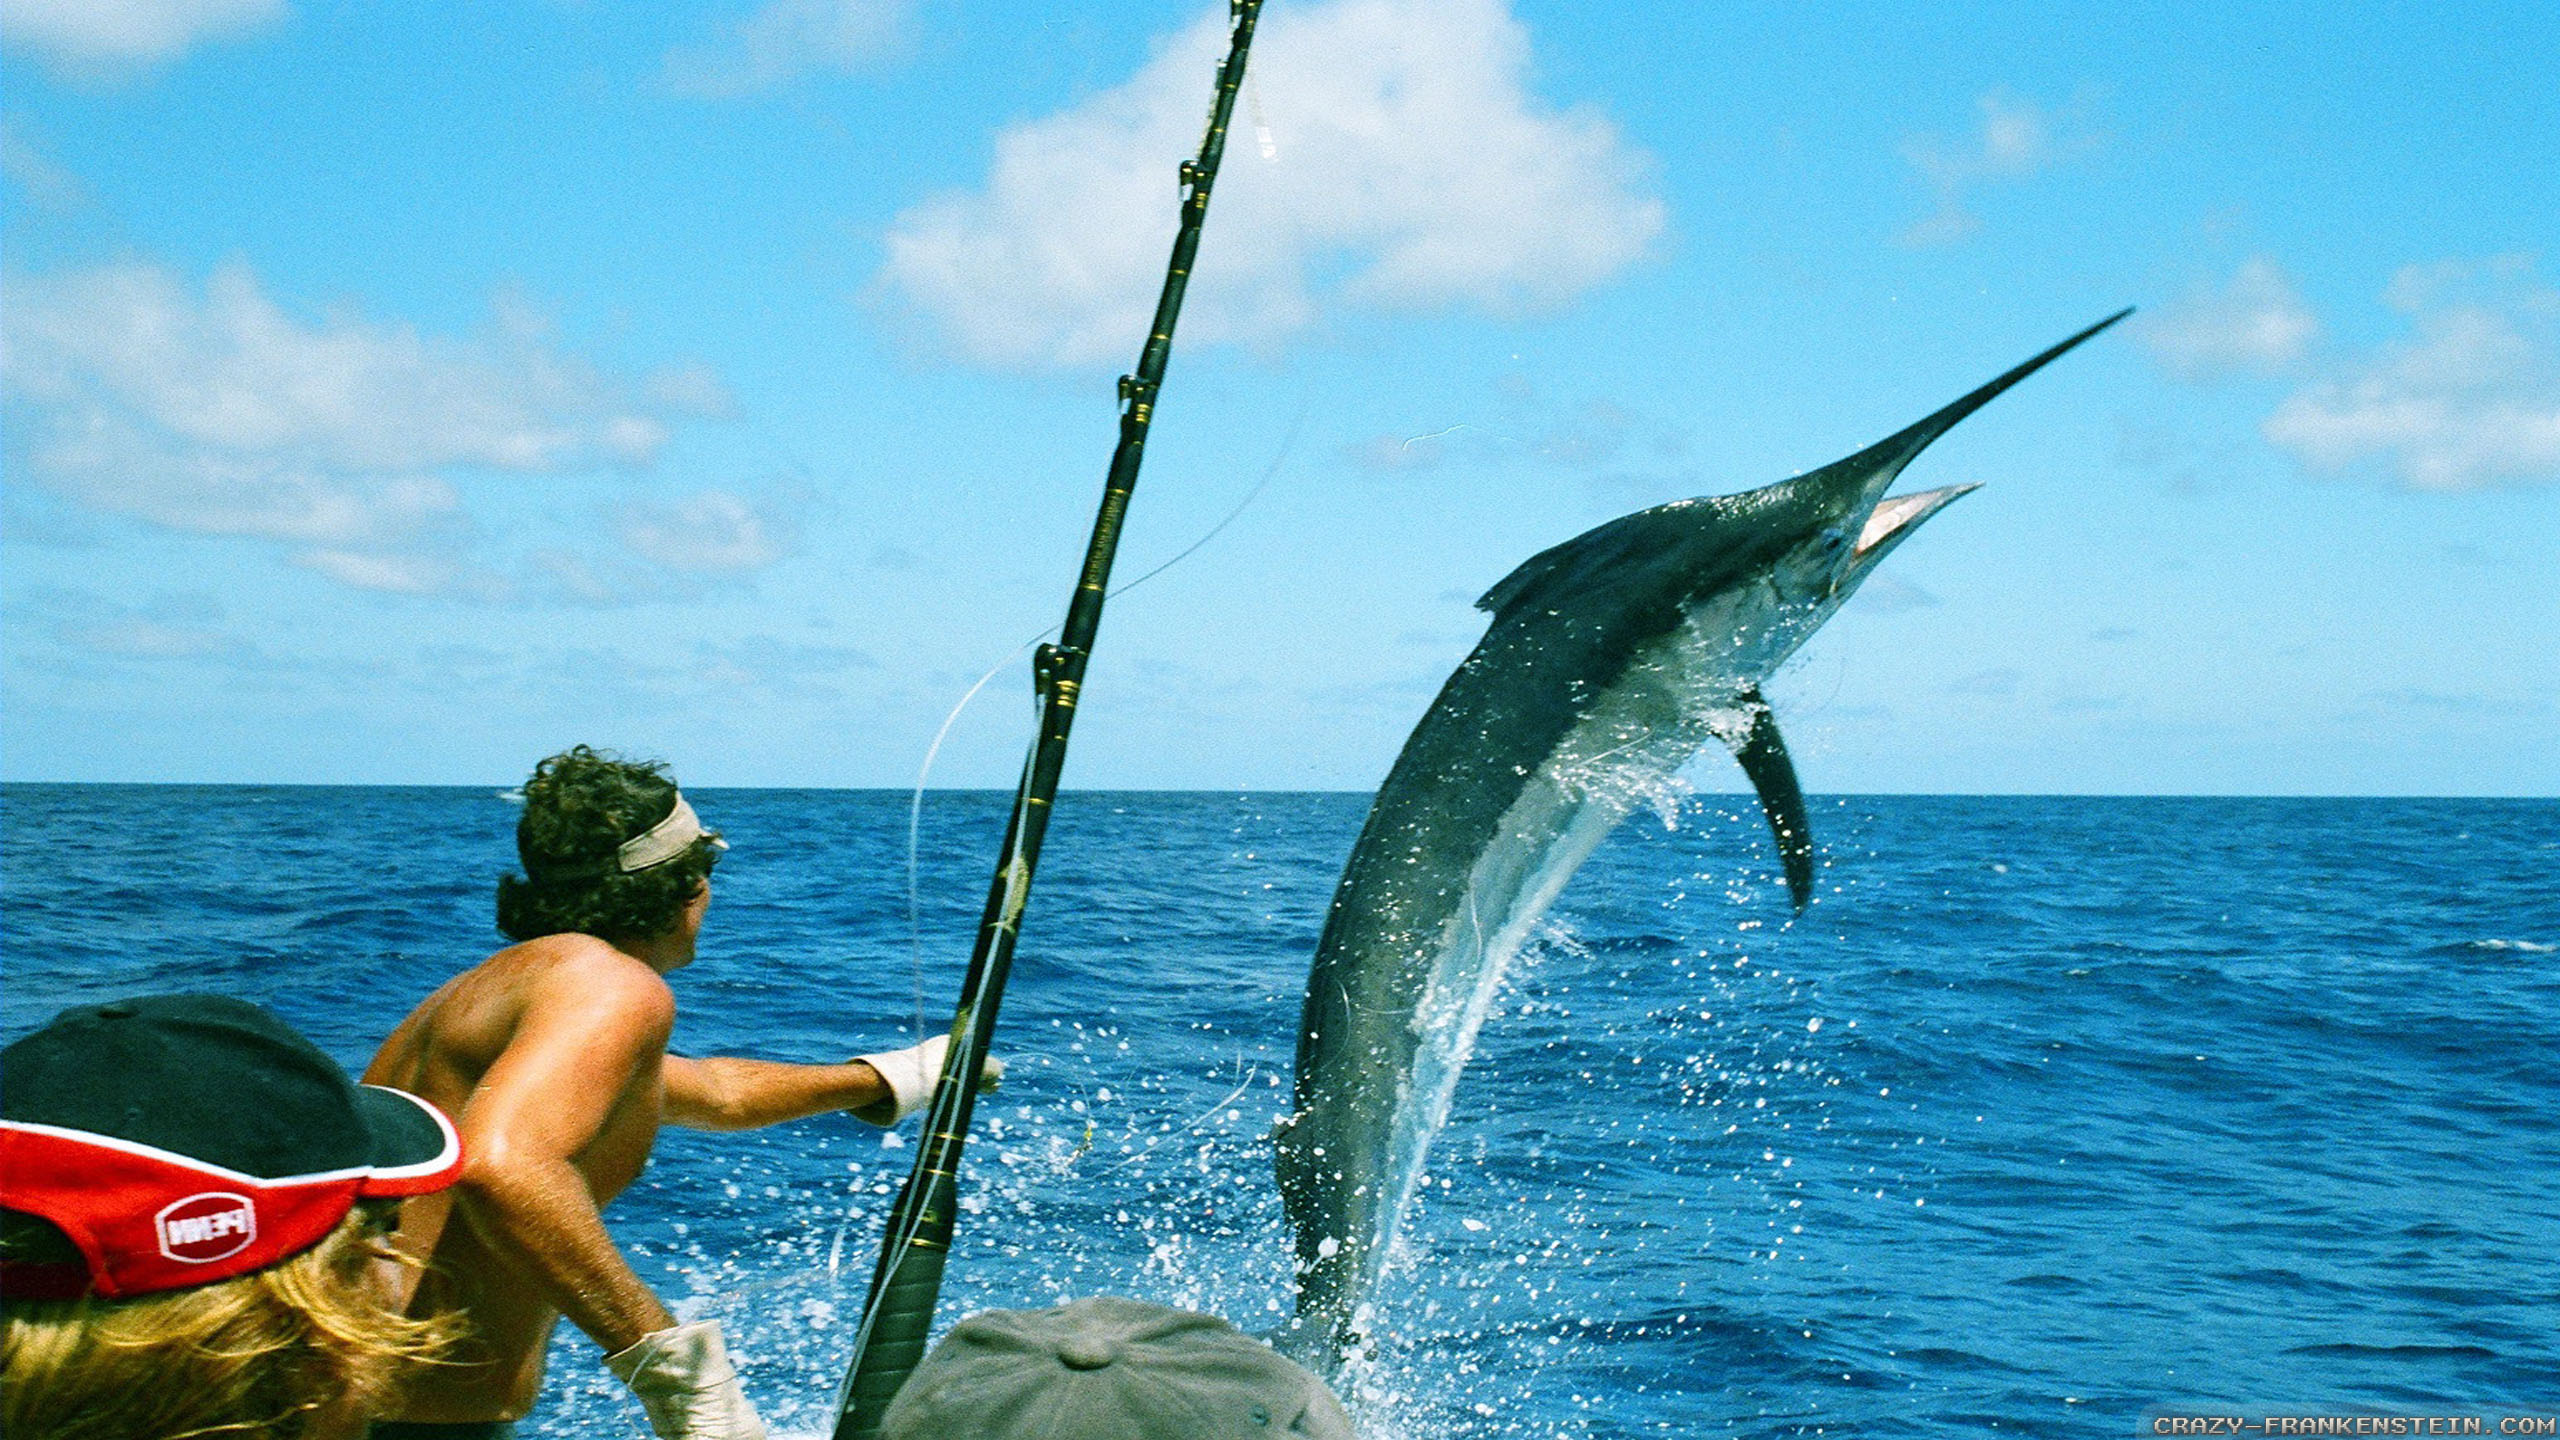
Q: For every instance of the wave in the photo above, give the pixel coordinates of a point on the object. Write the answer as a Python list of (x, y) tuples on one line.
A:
[(2473, 947), (2351, 1351)]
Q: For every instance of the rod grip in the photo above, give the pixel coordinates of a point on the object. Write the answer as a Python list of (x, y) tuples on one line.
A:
[(897, 1341)]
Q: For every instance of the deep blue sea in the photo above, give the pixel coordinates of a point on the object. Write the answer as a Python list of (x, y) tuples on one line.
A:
[(2054, 1116)]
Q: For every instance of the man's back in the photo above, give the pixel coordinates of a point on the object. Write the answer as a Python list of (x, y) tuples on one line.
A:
[(565, 1024)]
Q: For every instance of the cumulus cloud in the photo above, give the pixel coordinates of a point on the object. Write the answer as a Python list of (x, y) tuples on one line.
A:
[(234, 372), (99, 38), (712, 532), (2016, 140), (669, 549), (785, 40), (166, 626), (2254, 324), (1387, 155), (115, 463), (2469, 398), (417, 571), (1622, 456), (44, 183), (656, 681), (223, 413)]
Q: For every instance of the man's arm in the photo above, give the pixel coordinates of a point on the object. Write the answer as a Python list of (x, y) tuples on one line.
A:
[(588, 1041), (722, 1092)]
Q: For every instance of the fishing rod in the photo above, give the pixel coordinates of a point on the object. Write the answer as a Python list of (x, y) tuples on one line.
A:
[(899, 1311)]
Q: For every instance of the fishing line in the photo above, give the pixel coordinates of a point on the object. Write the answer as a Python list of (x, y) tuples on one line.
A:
[(835, 1269), (915, 800), (915, 803), (1155, 1141), (1288, 442), (1261, 124), (915, 821), (1413, 440)]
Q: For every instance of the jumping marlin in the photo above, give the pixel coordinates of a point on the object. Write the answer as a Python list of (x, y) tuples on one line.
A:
[(1611, 660)]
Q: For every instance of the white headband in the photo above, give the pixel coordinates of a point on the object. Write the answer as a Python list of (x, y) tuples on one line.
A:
[(665, 840)]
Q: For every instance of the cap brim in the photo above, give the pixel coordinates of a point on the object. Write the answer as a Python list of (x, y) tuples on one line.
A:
[(415, 1149)]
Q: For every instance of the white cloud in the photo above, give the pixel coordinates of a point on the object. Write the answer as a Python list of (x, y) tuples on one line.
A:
[(97, 38), (712, 532), (2255, 324), (146, 639), (110, 463), (786, 39), (656, 681), (667, 550), (223, 413), (694, 389), (413, 572), (235, 373), (577, 579), (2469, 399), (164, 627), (37, 177), (2016, 140), (1386, 155), (1619, 449)]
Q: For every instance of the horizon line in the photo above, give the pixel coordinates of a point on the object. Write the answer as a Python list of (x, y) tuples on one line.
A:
[(497, 789)]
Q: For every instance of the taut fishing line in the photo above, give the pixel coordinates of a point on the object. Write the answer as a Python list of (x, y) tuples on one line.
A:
[(1203, 1118), (915, 801), (1261, 124)]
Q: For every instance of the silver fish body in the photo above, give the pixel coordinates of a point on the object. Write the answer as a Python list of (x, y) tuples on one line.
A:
[(1611, 660)]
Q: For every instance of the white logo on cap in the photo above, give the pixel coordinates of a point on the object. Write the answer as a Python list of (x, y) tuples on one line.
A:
[(208, 1227)]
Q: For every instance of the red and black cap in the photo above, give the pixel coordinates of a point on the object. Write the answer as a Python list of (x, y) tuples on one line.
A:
[(183, 1139)]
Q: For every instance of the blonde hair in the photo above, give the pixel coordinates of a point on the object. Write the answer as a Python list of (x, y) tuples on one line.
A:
[(279, 1353)]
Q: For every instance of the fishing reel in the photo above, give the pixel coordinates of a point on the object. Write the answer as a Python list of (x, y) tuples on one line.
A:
[(1053, 667)]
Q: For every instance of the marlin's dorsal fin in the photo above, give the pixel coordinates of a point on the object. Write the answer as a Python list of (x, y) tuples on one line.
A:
[(1604, 556), (1764, 758)]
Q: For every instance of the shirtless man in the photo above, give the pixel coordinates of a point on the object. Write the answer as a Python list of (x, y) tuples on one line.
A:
[(551, 1057)]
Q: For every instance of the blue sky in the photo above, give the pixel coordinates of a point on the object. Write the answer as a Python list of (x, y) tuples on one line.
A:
[(397, 394)]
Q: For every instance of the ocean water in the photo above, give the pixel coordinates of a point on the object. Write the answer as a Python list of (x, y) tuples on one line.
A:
[(2054, 1116)]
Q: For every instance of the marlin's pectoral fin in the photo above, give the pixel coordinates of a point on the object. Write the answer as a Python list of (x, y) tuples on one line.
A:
[(1764, 758)]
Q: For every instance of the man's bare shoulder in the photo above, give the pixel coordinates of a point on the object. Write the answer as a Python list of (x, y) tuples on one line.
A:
[(585, 973), (476, 1014)]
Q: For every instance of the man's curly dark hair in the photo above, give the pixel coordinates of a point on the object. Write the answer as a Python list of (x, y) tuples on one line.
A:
[(579, 807)]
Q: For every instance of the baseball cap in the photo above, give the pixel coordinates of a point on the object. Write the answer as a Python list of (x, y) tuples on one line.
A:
[(177, 1140), (1109, 1368)]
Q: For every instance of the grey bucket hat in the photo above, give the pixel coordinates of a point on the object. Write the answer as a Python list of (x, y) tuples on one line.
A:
[(1109, 1369)]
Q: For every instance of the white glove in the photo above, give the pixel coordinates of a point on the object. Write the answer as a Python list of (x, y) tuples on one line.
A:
[(911, 1073), (683, 1378)]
